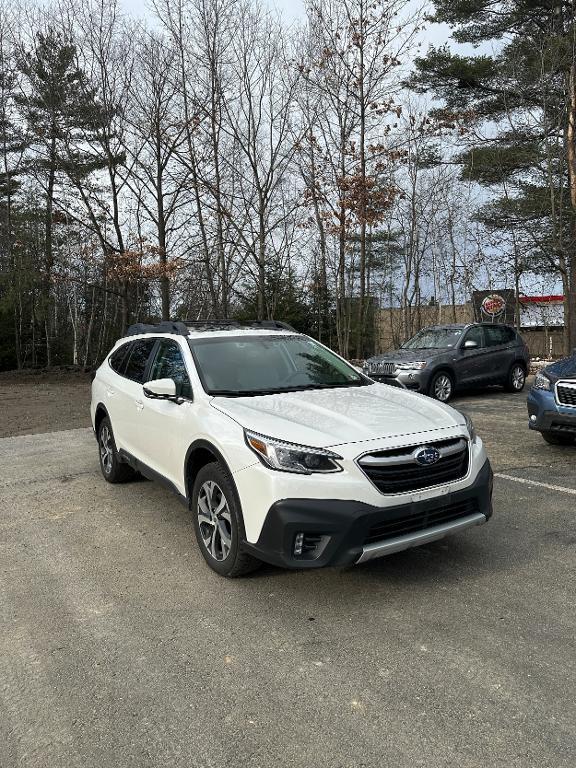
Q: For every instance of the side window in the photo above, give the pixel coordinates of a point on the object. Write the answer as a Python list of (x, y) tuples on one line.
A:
[(136, 365), (475, 334), (118, 358), (496, 335), (509, 335), (169, 364)]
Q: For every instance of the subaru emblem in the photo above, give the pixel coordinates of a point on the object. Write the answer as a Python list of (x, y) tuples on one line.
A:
[(427, 456)]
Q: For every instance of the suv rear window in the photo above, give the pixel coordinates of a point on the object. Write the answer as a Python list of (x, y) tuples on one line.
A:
[(136, 366)]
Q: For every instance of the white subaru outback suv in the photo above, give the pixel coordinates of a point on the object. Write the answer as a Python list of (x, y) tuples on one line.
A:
[(283, 451)]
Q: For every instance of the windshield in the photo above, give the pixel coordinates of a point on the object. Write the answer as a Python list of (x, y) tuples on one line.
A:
[(261, 365), (434, 338)]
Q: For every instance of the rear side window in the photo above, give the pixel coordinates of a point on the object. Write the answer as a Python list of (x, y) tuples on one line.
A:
[(138, 358), (496, 335), (118, 358)]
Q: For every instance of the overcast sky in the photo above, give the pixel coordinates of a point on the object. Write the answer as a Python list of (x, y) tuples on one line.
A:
[(292, 10)]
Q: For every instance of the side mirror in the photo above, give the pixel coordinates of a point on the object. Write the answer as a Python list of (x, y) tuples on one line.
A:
[(161, 389), (470, 344)]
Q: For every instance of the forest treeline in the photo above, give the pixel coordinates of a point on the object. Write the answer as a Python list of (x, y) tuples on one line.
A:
[(215, 161)]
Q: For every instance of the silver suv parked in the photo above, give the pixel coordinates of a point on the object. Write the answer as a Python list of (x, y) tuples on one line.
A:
[(442, 358)]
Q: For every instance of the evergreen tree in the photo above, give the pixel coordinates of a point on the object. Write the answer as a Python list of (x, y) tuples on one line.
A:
[(62, 115), (525, 95)]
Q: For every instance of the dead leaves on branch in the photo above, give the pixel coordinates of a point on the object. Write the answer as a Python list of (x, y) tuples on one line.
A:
[(141, 264), (365, 198)]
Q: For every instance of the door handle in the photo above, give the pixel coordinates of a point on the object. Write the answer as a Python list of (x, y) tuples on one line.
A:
[(139, 405), (110, 392)]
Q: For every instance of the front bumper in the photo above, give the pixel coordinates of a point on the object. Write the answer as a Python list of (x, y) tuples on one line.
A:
[(417, 381), (546, 415), (347, 532)]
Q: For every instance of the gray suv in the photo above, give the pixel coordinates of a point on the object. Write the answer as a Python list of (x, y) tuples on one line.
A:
[(442, 358)]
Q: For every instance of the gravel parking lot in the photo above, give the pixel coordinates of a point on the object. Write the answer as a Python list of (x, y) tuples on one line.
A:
[(120, 648)]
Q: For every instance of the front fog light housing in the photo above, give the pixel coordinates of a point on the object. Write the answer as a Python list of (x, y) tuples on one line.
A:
[(298, 544), (290, 457)]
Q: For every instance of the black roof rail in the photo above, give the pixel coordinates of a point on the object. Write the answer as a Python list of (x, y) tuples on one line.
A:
[(166, 326), (230, 323), (182, 327)]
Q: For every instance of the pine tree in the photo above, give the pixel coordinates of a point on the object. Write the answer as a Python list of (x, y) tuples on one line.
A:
[(525, 96), (61, 113)]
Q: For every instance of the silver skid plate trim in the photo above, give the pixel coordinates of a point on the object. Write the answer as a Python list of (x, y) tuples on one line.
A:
[(387, 547)]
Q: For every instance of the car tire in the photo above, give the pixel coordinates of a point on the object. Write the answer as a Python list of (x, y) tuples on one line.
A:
[(553, 438), (516, 378), (113, 469), (218, 522), (441, 386)]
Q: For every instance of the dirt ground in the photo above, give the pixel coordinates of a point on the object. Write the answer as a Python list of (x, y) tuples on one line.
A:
[(43, 401)]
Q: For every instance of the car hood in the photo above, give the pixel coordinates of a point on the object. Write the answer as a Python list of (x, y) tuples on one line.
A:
[(329, 417), (408, 355), (563, 369)]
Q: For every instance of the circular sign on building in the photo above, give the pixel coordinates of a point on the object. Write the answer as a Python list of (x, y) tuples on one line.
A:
[(493, 305)]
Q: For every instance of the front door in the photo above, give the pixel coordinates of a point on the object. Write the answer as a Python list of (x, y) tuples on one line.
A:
[(166, 425)]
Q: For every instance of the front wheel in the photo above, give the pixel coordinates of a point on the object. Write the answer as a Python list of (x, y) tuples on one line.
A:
[(516, 378), (441, 387), (218, 523)]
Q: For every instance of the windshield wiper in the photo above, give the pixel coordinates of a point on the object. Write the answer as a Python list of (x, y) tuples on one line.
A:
[(284, 390)]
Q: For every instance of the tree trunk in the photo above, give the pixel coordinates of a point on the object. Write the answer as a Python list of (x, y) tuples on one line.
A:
[(48, 252), (571, 141), (362, 201)]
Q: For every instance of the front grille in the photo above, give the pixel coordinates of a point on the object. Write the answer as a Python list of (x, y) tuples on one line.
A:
[(566, 394), (556, 426), (397, 471), (383, 368), (403, 526)]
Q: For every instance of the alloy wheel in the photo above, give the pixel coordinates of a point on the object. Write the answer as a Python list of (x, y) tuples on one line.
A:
[(442, 388), (106, 449), (518, 377), (214, 520)]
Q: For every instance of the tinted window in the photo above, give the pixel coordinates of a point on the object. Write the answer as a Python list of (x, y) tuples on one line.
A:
[(496, 335), (118, 358), (138, 358), (265, 364), (475, 334), (169, 364), (509, 335)]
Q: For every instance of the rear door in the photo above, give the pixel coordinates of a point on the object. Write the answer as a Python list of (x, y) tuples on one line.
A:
[(129, 397), (500, 341), (472, 365)]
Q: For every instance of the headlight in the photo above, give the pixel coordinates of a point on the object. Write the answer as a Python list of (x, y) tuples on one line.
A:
[(289, 457), (542, 382), (411, 366), (470, 428)]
